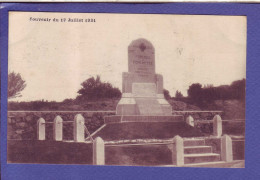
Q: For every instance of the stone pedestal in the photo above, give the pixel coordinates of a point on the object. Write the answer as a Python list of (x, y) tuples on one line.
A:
[(41, 129), (98, 151), (178, 151), (190, 121), (79, 130), (57, 128), (217, 126), (226, 149)]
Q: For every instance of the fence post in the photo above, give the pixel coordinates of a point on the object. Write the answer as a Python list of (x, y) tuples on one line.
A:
[(41, 129), (178, 151), (226, 148), (190, 120), (217, 126), (99, 151), (57, 128), (79, 133)]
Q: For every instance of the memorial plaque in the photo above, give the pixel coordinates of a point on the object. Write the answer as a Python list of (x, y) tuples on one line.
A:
[(144, 90)]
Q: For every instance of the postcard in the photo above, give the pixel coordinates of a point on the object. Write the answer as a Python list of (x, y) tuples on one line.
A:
[(126, 89)]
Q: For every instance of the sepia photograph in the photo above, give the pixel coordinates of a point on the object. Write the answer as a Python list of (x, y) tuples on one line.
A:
[(163, 90)]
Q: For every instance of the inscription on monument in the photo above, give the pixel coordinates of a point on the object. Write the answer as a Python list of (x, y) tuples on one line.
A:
[(141, 58), (144, 89)]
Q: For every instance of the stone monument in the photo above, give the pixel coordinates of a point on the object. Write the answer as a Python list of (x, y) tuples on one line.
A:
[(142, 90)]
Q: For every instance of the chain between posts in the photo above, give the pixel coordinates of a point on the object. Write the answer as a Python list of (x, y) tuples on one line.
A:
[(86, 129), (58, 122), (211, 121)]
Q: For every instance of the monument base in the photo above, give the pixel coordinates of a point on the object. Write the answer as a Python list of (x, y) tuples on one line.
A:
[(130, 105), (144, 118), (132, 130)]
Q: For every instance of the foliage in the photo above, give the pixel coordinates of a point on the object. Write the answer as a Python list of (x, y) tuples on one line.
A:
[(195, 93), (207, 94), (15, 85), (93, 89), (178, 94), (239, 89), (39, 105), (166, 94)]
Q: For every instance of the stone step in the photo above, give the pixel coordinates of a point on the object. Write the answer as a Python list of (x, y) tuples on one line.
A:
[(219, 164), (216, 164), (200, 158), (197, 149), (194, 142)]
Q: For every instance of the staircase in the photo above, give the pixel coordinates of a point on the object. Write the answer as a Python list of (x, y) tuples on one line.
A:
[(195, 151)]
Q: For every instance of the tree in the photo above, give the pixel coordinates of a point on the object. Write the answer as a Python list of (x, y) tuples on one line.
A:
[(239, 89), (178, 94), (93, 89), (166, 94), (209, 93), (195, 93), (15, 85)]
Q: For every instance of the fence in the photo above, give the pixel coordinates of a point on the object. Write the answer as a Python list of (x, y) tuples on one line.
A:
[(176, 145), (22, 125), (99, 145), (79, 128), (198, 115), (220, 126)]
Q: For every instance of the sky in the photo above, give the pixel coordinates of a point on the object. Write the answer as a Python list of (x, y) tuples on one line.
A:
[(54, 58)]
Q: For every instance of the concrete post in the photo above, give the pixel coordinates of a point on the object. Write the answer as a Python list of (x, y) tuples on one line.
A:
[(79, 131), (57, 128), (217, 126), (226, 149), (41, 129), (190, 120), (178, 151), (99, 151)]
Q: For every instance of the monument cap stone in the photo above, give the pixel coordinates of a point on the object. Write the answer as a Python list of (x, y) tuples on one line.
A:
[(141, 57)]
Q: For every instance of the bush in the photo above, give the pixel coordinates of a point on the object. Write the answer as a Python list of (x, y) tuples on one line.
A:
[(93, 89), (166, 94), (204, 96)]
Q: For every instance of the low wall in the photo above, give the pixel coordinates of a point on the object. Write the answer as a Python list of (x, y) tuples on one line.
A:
[(23, 125)]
